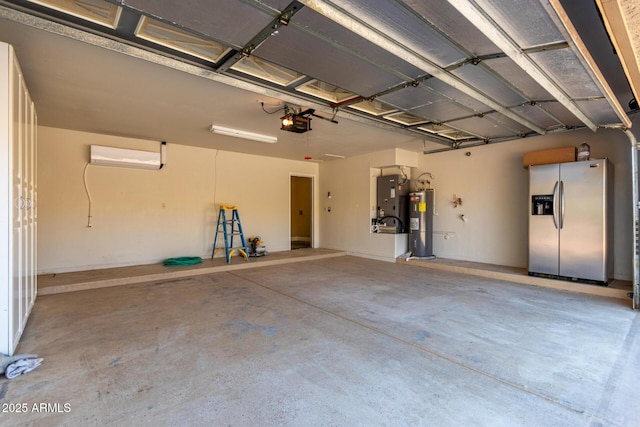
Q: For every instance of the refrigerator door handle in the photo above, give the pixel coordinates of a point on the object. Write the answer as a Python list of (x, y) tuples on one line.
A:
[(555, 205), (561, 204)]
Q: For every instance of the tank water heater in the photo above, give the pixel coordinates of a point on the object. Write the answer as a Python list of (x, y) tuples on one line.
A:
[(421, 204)]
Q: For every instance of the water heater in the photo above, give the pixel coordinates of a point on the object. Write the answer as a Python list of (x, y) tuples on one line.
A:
[(421, 224)]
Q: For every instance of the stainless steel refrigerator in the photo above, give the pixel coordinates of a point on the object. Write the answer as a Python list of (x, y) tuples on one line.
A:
[(570, 221)]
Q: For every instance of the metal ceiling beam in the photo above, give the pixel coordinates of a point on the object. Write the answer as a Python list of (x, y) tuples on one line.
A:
[(403, 52), (484, 23)]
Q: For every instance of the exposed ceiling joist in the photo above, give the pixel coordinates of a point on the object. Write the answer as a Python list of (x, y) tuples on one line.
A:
[(622, 20)]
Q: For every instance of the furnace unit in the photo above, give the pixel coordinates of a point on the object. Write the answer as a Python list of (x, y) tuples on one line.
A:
[(393, 192), (421, 224)]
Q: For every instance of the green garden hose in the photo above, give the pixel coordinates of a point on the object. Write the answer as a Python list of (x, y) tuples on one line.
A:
[(181, 261)]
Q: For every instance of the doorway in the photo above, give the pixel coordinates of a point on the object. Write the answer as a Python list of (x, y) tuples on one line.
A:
[(301, 212)]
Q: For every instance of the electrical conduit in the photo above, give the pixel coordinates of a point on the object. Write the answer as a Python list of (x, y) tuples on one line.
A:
[(86, 187)]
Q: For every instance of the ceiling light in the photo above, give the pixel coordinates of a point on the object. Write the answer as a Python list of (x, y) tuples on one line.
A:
[(287, 120), (243, 134)]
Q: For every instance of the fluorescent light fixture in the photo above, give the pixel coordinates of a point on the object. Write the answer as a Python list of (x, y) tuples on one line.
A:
[(125, 158), (243, 134)]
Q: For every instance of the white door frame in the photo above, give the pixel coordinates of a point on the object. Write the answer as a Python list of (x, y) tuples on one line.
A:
[(314, 205)]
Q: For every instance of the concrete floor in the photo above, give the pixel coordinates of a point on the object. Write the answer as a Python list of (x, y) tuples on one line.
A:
[(339, 341), (92, 279)]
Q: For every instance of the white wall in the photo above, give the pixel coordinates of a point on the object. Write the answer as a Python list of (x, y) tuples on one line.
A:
[(141, 216), (493, 186), (351, 182), (144, 217)]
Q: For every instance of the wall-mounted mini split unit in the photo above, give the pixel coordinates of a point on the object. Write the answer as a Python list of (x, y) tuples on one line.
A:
[(125, 158)]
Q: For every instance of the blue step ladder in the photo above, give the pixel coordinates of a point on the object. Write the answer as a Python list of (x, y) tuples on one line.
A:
[(229, 228)]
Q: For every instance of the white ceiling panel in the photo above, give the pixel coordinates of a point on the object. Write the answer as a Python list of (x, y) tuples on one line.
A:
[(403, 24), (537, 114), (527, 22), (568, 72), (491, 84), (298, 49), (447, 21), (517, 77)]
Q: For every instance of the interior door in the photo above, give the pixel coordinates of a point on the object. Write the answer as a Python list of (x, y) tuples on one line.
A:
[(301, 212)]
